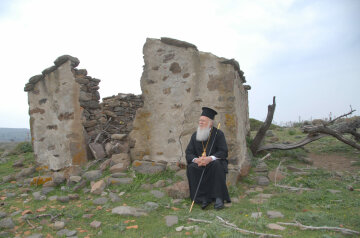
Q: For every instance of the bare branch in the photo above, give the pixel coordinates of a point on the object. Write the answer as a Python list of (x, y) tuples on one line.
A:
[(199, 220), (303, 227), (344, 115), (232, 226)]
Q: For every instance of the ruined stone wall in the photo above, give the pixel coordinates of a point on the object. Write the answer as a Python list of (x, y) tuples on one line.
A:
[(57, 99), (176, 82), (121, 109)]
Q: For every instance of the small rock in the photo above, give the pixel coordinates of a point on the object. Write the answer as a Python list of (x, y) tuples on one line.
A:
[(119, 167), (157, 193), (262, 167), (118, 136), (274, 226), (159, 184), (58, 178), (333, 191), (74, 179), (46, 190), (104, 165), (147, 167), (100, 201), (92, 175), (66, 232), (114, 197), (37, 235), (10, 195), (274, 214), (74, 196), (171, 220), (128, 211), (178, 190), (95, 224), (116, 181), (118, 175), (38, 197), (58, 225), (98, 187), (151, 206), (53, 198), (2, 214), (63, 199), (263, 181), (256, 214), (7, 223), (19, 163), (87, 216)]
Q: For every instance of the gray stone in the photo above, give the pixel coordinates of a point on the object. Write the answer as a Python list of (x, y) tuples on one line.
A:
[(157, 193), (333, 191), (118, 136), (74, 196), (114, 197), (16, 213), (182, 173), (64, 58), (8, 178), (146, 167), (120, 180), (58, 178), (26, 172), (256, 215), (66, 232), (262, 181), (100, 201), (38, 197), (74, 179), (37, 235), (159, 184), (274, 226), (178, 190), (80, 185), (171, 220), (95, 224), (58, 225), (92, 175), (7, 223), (46, 190), (19, 163), (2, 214), (97, 150), (63, 199), (118, 175), (10, 195), (128, 211), (119, 167), (98, 187), (274, 214), (262, 167), (53, 198), (151, 206)]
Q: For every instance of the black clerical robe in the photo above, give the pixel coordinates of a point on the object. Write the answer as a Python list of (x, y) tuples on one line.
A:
[(213, 184)]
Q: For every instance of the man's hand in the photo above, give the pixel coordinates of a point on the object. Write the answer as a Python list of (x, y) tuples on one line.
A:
[(203, 161)]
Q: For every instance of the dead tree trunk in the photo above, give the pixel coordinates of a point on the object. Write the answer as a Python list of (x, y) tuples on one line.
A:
[(262, 131), (314, 133)]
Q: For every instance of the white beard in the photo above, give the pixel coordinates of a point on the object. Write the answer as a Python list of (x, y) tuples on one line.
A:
[(202, 134)]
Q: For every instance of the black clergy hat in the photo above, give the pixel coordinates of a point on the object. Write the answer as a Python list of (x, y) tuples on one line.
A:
[(208, 112)]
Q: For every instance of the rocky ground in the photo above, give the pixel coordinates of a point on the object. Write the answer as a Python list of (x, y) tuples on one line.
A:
[(109, 200)]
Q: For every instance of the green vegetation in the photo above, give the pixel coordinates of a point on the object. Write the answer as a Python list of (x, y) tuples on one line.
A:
[(330, 203)]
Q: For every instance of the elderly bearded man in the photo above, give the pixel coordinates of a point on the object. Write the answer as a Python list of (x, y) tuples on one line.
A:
[(213, 184)]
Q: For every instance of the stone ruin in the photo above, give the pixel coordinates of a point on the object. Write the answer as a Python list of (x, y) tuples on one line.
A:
[(69, 126)]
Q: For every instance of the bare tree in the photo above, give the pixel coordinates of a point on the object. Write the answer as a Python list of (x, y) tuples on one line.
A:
[(315, 132)]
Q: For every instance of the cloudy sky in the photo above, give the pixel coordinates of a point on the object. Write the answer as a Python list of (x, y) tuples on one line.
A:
[(304, 52)]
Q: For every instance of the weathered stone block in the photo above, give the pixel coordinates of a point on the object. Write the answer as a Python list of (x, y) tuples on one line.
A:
[(146, 167)]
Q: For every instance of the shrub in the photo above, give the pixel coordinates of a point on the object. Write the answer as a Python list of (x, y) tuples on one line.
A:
[(23, 147), (292, 132)]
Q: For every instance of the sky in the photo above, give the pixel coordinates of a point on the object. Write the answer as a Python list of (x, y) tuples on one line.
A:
[(304, 52)]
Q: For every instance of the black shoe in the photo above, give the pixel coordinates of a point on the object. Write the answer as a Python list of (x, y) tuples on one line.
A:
[(204, 205), (219, 204)]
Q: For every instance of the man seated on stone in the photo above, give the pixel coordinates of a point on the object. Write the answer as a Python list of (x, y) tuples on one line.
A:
[(212, 141)]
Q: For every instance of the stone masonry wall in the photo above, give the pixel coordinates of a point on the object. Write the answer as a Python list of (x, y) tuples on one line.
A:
[(57, 100), (176, 82)]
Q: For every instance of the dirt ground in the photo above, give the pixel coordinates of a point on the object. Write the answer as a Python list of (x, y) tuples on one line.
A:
[(333, 162)]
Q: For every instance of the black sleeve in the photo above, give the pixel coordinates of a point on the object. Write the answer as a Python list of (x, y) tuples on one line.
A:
[(221, 149), (190, 150)]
